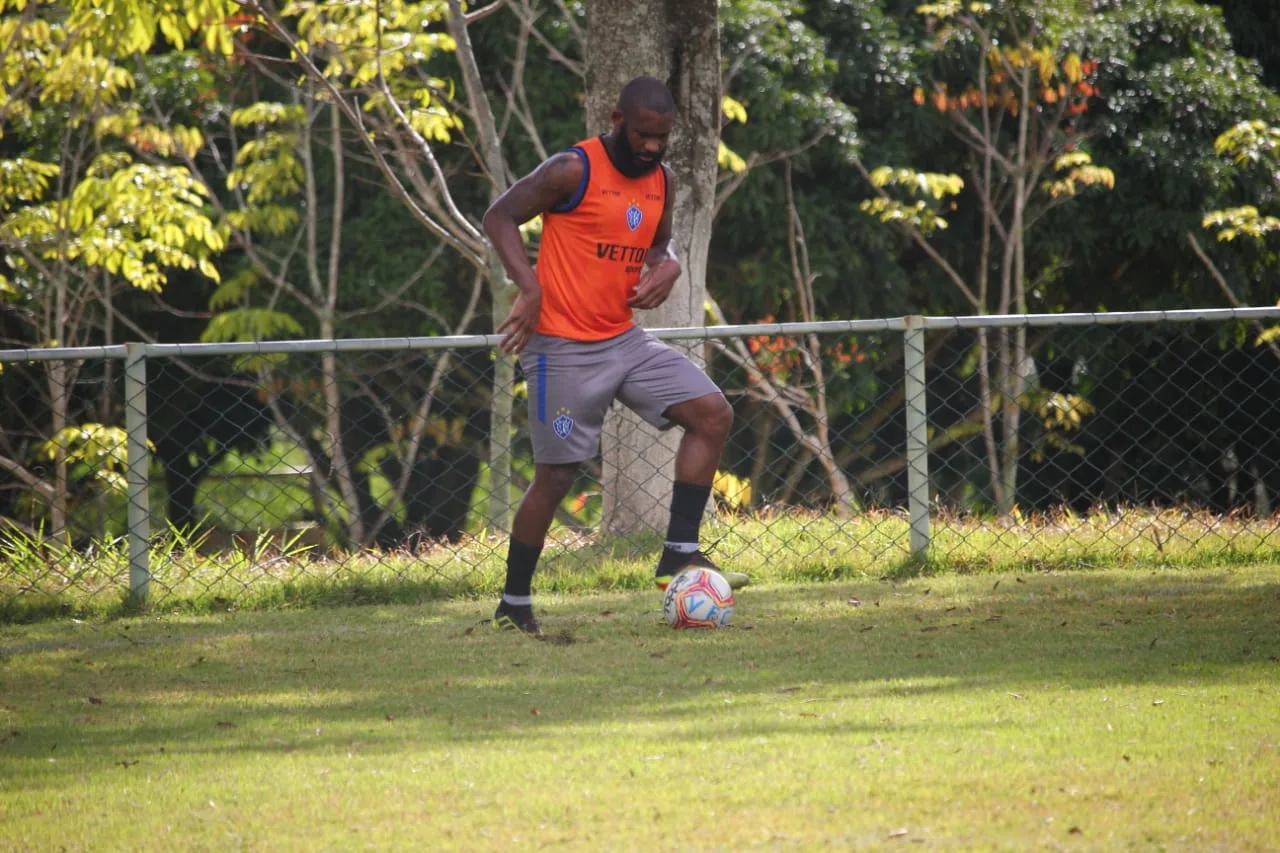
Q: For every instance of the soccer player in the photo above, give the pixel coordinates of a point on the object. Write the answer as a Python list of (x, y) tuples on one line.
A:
[(606, 249)]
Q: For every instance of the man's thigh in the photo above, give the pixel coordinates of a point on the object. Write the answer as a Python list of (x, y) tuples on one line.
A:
[(659, 377), (571, 385)]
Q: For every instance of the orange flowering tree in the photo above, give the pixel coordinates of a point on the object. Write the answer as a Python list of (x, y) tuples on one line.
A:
[(1021, 109)]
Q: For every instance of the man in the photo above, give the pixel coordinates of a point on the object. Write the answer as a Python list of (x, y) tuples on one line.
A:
[(606, 250)]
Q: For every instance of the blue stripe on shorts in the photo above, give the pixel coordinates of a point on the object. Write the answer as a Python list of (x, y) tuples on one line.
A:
[(542, 388)]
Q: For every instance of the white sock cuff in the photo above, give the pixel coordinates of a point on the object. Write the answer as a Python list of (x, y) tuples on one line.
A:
[(518, 600), (682, 547)]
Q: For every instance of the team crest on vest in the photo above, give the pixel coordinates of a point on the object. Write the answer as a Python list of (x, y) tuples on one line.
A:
[(563, 424), (634, 216)]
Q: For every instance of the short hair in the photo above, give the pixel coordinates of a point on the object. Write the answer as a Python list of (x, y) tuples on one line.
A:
[(646, 93)]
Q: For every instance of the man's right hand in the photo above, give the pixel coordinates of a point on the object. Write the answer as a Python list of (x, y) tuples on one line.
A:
[(521, 322)]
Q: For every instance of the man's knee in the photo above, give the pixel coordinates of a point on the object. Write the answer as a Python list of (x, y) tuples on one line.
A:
[(555, 479), (715, 415)]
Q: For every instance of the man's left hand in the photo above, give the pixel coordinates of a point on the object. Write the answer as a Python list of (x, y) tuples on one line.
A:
[(655, 285)]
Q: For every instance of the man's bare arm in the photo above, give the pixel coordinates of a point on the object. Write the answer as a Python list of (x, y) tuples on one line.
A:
[(551, 184), (663, 267), (663, 248)]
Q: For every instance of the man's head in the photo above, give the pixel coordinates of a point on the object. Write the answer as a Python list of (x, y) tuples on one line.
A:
[(642, 125)]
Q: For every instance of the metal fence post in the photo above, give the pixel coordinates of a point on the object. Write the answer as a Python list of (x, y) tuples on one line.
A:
[(139, 481), (917, 436)]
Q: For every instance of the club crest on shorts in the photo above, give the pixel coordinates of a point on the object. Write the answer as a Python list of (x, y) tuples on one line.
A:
[(563, 424), (634, 216)]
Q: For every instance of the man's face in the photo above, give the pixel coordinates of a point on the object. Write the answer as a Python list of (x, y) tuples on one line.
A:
[(641, 141)]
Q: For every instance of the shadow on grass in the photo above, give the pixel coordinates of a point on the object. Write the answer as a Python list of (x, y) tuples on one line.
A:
[(394, 678)]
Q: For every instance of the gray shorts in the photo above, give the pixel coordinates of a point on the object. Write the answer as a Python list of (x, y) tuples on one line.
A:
[(572, 383)]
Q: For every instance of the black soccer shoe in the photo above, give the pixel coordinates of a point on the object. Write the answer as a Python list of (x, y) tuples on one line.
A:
[(516, 617), (672, 563)]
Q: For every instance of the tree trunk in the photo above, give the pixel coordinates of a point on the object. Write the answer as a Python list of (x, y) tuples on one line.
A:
[(501, 292), (324, 292), (677, 41), (59, 395), (1017, 351)]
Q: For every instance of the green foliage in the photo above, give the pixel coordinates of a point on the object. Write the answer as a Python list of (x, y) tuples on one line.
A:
[(1254, 148), (1076, 171), (250, 324), (98, 450), (918, 183), (1250, 142), (129, 219), (1243, 221), (362, 42), (1171, 84)]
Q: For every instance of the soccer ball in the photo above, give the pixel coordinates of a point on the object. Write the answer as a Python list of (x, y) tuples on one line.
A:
[(698, 598)]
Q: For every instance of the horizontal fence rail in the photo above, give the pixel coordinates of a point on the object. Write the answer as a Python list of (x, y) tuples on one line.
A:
[(243, 472)]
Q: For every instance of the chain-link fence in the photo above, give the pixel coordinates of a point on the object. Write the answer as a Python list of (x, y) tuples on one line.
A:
[(174, 471)]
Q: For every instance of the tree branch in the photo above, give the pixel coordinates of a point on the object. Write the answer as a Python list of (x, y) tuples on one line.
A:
[(529, 18), (1226, 288), (755, 160), (460, 241), (484, 12), (35, 483), (919, 239)]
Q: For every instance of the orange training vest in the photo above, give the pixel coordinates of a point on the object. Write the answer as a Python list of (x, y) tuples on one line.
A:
[(594, 248)]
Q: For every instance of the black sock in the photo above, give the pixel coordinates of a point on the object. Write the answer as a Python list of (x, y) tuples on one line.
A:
[(688, 503), (522, 561)]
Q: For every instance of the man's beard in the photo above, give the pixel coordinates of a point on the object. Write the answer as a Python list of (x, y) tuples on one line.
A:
[(630, 163)]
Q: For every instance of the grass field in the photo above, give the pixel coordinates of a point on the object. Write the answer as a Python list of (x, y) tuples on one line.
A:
[(1110, 709)]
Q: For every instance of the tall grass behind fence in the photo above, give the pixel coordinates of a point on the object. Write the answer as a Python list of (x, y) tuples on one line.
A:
[(250, 473)]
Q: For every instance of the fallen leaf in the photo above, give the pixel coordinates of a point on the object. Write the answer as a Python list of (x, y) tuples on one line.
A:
[(1158, 702), (534, 712), (898, 833), (867, 628), (606, 612), (390, 719), (1125, 757), (94, 700), (223, 724), (853, 602), (1019, 580), (807, 714), (126, 764), (789, 689), (927, 630), (996, 584), (468, 631), (1017, 696), (1075, 830)]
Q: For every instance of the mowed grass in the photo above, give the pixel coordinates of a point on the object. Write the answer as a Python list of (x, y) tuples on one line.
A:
[(1102, 710)]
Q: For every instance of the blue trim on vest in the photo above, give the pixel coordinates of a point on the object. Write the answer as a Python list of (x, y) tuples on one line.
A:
[(542, 388), (582, 185)]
